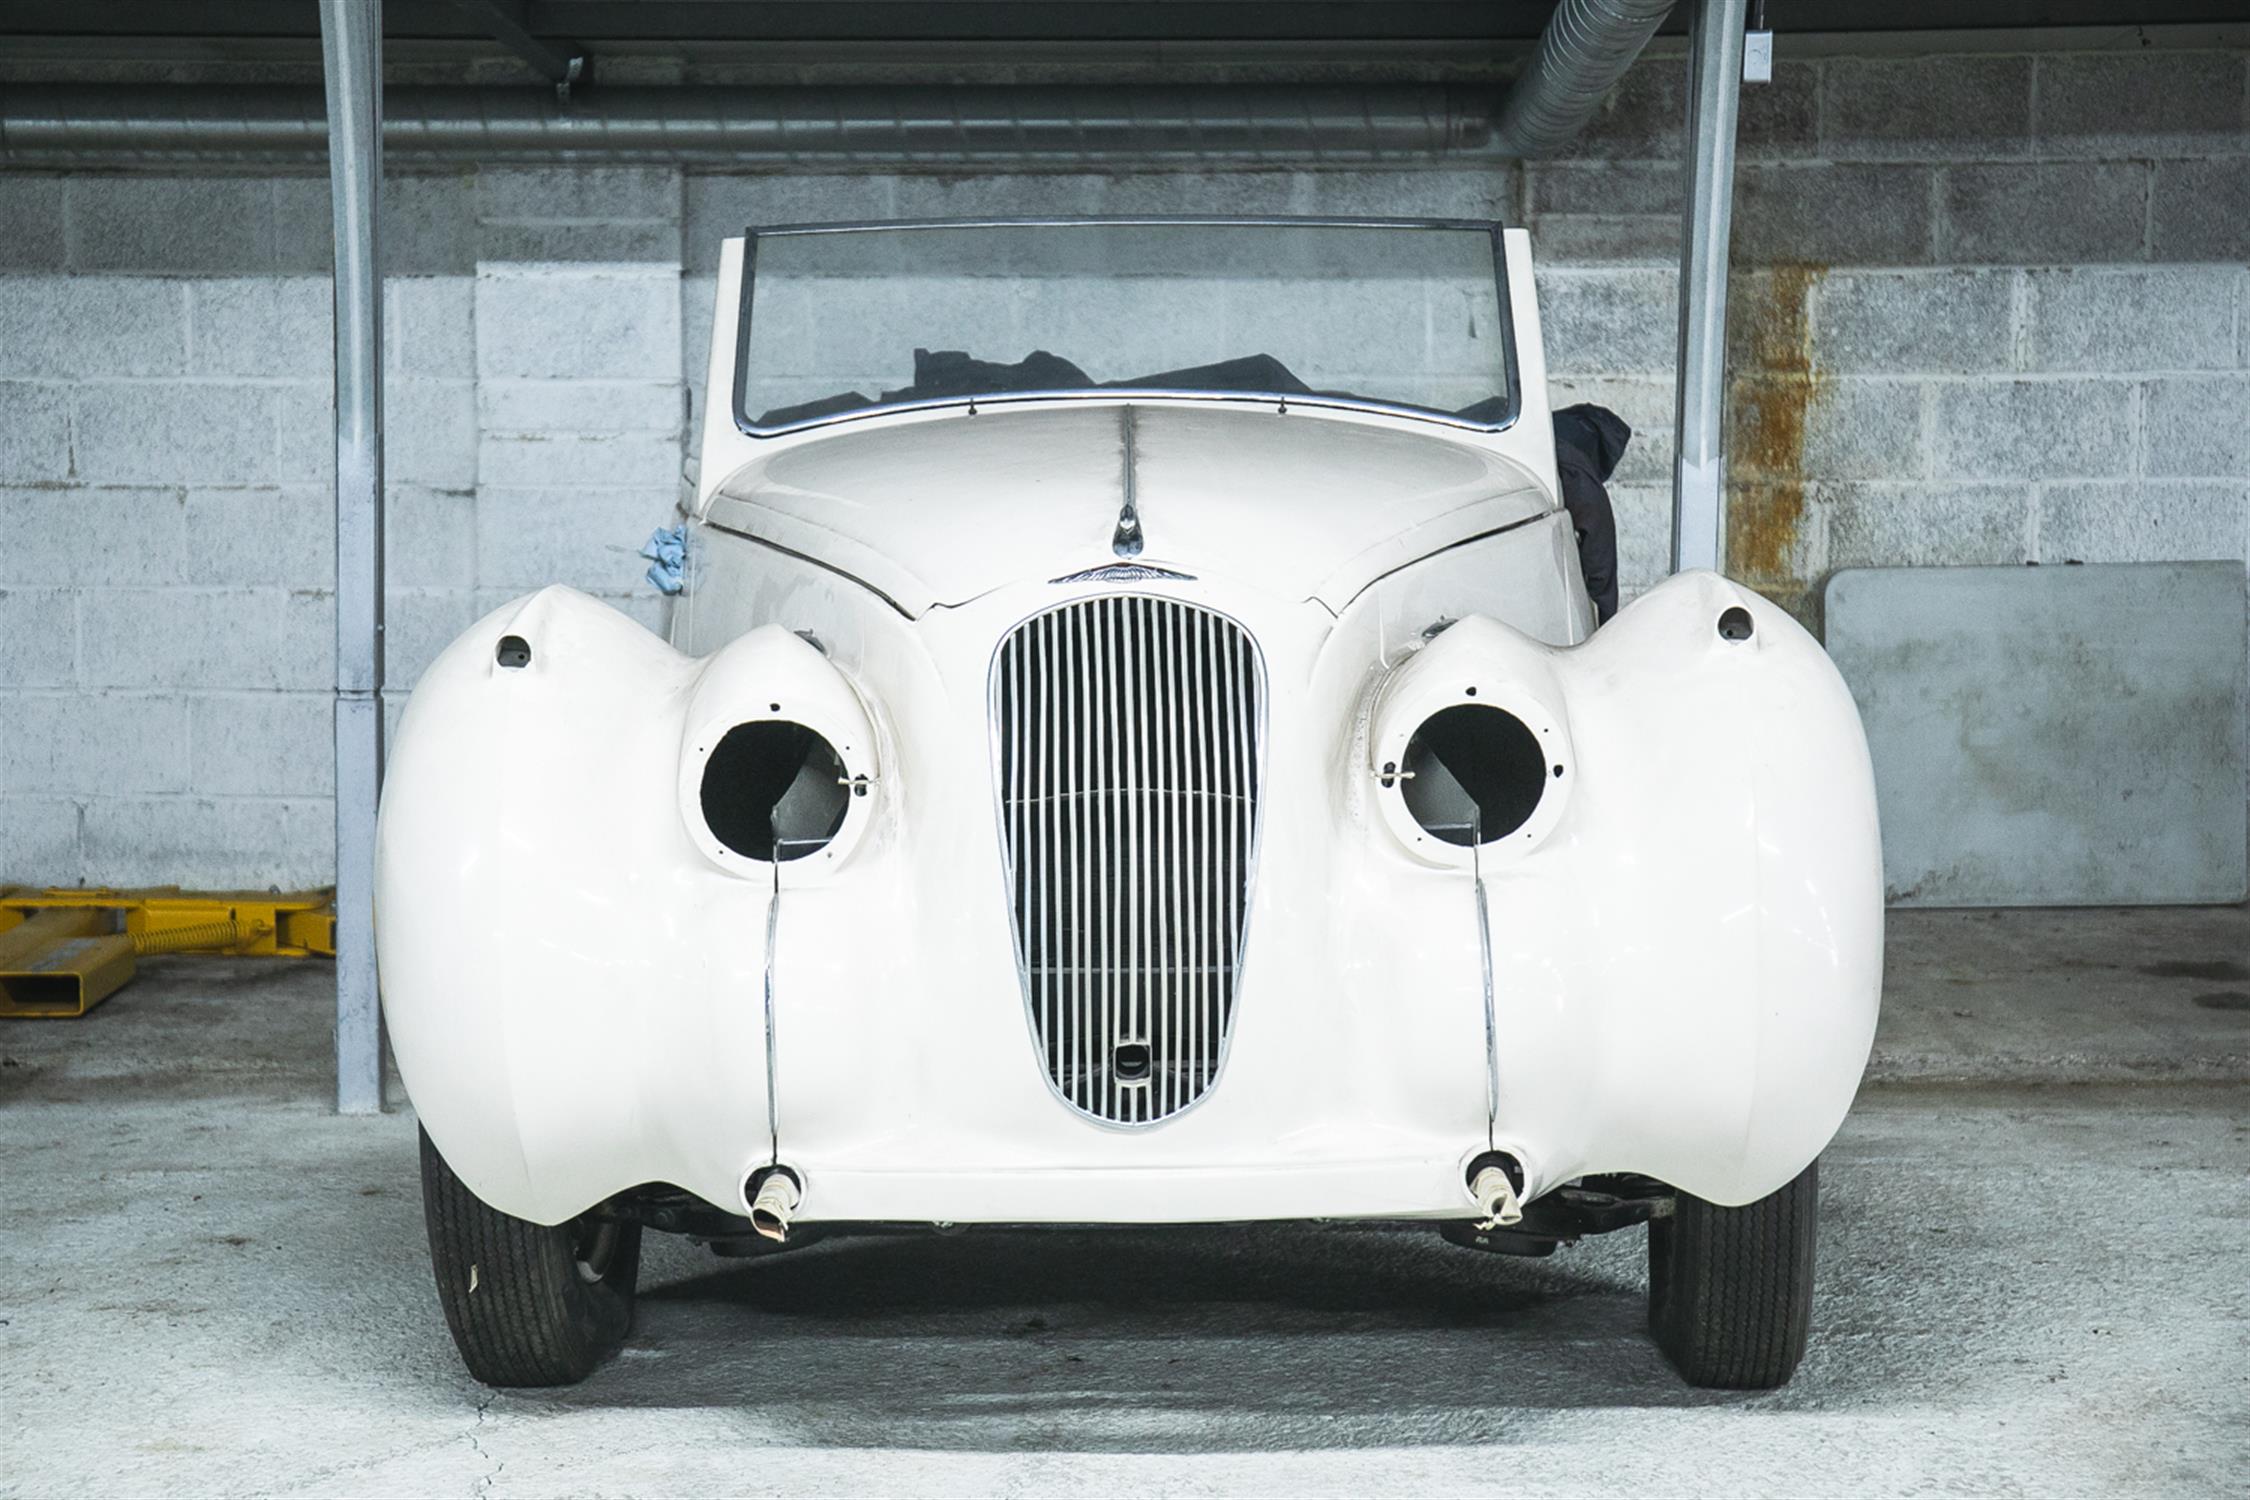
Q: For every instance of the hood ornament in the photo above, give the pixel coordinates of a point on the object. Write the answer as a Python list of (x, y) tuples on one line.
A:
[(1126, 573), (1126, 540)]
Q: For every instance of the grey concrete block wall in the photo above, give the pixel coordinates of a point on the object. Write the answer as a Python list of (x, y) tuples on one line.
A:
[(1989, 308)]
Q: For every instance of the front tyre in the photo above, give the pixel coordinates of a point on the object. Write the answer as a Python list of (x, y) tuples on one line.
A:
[(529, 1304), (1730, 1289)]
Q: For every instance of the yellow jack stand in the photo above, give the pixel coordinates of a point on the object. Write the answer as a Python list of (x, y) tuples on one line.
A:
[(64, 952)]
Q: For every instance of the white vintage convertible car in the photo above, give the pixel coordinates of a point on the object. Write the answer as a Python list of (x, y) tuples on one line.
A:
[(1133, 748)]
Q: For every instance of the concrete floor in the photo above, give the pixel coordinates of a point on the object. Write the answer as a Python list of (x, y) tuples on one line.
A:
[(2029, 1283)]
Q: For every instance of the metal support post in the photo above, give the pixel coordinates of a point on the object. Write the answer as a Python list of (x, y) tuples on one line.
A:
[(1699, 451), (351, 39)]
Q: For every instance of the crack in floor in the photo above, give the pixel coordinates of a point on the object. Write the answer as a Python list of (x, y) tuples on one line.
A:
[(485, 1481)]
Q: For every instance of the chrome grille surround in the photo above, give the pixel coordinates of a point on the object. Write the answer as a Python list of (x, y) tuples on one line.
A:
[(1128, 753)]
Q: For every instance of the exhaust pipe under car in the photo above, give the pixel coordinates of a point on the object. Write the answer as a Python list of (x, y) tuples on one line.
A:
[(1496, 1182), (773, 1200)]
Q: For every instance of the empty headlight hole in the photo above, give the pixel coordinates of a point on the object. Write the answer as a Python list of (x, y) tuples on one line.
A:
[(773, 790), (1475, 771)]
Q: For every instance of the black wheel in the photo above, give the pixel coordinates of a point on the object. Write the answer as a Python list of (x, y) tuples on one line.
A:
[(529, 1304), (1730, 1289)]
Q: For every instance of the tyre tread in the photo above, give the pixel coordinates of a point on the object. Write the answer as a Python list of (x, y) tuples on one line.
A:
[(1730, 1289), (531, 1320)]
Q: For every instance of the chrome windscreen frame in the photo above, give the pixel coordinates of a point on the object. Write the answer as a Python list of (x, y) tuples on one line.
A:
[(1511, 392)]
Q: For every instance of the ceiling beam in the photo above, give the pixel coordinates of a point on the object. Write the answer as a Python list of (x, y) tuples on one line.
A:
[(508, 22)]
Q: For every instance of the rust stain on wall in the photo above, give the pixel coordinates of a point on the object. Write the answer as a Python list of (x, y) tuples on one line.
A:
[(1773, 390)]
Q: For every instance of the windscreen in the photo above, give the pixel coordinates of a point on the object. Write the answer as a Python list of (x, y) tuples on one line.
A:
[(840, 321)]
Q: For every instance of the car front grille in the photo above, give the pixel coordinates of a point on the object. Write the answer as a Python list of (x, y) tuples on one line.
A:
[(1128, 735)]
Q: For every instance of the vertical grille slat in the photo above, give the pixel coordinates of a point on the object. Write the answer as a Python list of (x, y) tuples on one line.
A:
[(1127, 732)]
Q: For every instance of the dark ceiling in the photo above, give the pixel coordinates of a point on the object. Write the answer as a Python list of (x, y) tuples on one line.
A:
[(210, 25)]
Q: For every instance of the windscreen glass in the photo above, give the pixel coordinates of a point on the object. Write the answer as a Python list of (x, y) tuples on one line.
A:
[(839, 322)]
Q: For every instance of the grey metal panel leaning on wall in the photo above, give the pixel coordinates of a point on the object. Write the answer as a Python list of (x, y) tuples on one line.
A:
[(2053, 736)]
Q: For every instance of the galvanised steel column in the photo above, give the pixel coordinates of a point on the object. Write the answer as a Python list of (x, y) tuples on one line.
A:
[(1699, 452), (351, 41)]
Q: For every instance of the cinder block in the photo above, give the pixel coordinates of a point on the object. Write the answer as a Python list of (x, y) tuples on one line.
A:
[(698, 305), (507, 407), (1644, 535), (1605, 188), (1781, 118), (1000, 194), (2141, 103), (1775, 538), (1646, 405), (1793, 430), (1598, 240), (589, 539), (1610, 322), (186, 433), (31, 223), (211, 842), (716, 208), (1866, 214), (1864, 429), (417, 625), (1648, 458), (96, 326), (2200, 210), (2145, 521), (2199, 425), (1262, 191), (305, 424), (560, 461), (1926, 526), (432, 326), (53, 538), (1926, 108), (578, 326), (272, 327), (97, 744), (585, 193), (430, 432), (1933, 322), (429, 225), (306, 658), (38, 638), (2165, 318), (2034, 429), (304, 226), (199, 638), (258, 538), (429, 537), (34, 433), (263, 744), (38, 835), (1645, 116), (1769, 320), (222, 225), (1485, 190), (2043, 213), (589, 244)]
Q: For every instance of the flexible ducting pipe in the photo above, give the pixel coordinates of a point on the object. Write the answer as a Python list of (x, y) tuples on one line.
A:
[(66, 124), (1586, 48)]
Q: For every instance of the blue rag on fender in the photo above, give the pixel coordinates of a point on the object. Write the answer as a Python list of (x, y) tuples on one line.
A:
[(666, 550)]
